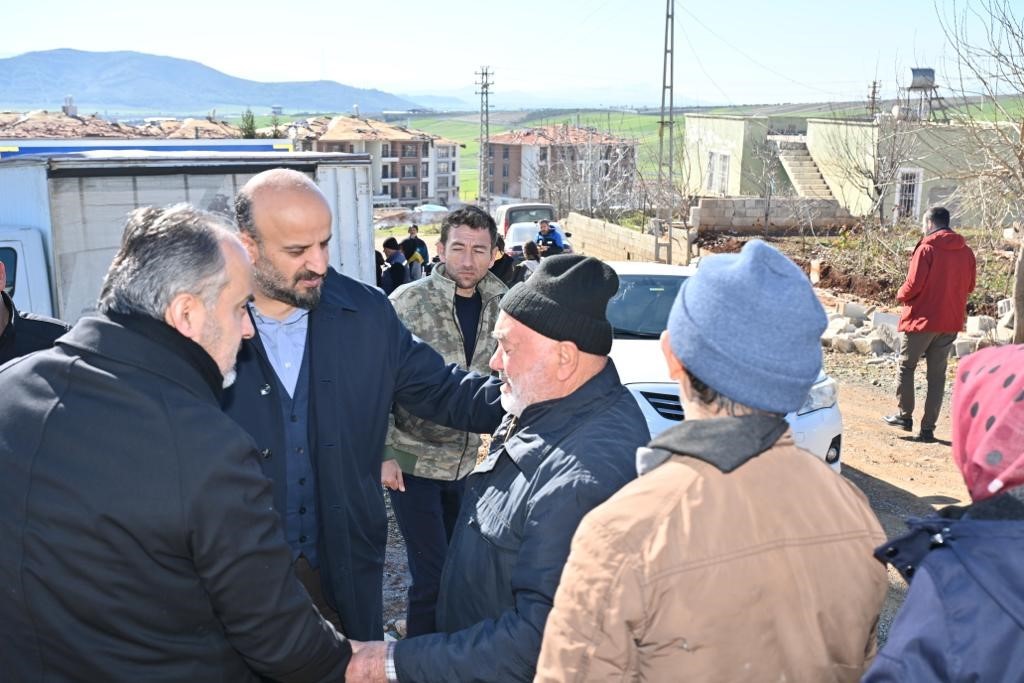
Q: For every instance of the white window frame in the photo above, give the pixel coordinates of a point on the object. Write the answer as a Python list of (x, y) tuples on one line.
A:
[(717, 174), (919, 173)]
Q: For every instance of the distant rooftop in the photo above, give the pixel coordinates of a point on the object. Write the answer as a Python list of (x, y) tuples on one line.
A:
[(347, 128), (557, 135), (40, 124)]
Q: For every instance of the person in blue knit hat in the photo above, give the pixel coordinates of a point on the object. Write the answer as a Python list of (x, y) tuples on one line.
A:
[(736, 555)]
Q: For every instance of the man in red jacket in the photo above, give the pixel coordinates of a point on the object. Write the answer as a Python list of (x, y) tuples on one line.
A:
[(934, 297)]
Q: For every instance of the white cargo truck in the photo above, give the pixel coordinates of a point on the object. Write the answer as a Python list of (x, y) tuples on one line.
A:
[(61, 216)]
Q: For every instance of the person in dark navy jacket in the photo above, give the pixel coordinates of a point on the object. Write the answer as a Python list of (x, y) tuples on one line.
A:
[(22, 333), (315, 387), (963, 619)]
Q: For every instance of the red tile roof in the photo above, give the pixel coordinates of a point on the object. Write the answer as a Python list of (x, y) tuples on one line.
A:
[(557, 135)]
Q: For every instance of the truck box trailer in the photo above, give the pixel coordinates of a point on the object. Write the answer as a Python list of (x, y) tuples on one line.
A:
[(61, 216)]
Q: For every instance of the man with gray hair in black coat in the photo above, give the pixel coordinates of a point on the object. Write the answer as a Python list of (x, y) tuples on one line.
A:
[(138, 537)]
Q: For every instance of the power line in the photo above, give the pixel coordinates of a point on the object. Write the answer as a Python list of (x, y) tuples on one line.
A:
[(751, 59), (700, 65)]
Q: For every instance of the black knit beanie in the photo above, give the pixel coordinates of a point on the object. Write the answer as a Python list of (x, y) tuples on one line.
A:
[(566, 299)]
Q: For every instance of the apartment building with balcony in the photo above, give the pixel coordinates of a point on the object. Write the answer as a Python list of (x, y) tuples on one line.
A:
[(410, 167), (539, 163)]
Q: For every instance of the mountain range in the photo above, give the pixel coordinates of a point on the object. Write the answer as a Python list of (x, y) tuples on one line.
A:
[(135, 82)]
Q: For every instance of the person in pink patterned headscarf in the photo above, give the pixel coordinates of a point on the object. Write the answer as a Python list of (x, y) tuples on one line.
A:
[(963, 619), (988, 421)]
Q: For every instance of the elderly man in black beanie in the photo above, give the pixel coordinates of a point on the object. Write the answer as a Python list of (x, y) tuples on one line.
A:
[(565, 446)]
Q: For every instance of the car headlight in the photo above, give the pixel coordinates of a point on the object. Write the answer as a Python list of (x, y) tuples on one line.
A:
[(822, 395)]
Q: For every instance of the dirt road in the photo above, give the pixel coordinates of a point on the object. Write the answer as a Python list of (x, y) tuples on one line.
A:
[(901, 477)]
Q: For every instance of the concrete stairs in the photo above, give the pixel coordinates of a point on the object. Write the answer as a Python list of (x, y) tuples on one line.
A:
[(803, 171)]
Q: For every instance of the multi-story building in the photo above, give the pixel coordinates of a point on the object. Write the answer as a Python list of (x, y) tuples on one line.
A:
[(409, 166), (569, 165)]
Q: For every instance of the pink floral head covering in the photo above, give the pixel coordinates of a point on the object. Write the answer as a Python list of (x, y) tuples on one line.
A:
[(988, 420)]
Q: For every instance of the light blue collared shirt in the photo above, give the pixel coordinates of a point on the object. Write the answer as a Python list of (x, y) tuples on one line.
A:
[(285, 342)]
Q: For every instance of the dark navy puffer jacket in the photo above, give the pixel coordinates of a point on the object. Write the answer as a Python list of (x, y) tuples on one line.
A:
[(963, 619)]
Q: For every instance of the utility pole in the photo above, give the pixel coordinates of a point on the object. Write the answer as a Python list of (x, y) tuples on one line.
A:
[(666, 125), (873, 106), (485, 83)]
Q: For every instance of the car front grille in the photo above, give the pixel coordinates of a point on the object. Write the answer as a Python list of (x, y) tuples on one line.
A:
[(666, 405)]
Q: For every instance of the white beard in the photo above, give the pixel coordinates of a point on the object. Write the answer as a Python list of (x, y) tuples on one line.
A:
[(513, 405)]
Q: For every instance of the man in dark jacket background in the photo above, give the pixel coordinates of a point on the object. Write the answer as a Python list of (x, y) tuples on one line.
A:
[(566, 445), (138, 540), (22, 333), (397, 272), (315, 387), (934, 298)]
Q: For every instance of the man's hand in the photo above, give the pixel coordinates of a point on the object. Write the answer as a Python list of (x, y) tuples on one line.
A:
[(367, 663), (391, 475)]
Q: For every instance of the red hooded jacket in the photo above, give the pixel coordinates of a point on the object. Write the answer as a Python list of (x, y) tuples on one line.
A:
[(934, 295)]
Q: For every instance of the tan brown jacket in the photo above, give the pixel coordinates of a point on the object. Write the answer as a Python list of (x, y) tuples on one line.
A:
[(764, 573)]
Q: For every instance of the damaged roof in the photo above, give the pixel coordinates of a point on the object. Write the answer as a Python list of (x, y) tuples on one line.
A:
[(557, 135), (41, 124), (345, 128)]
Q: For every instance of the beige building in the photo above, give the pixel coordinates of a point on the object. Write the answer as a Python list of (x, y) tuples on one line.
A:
[(889, 168), (410, 167), (571, 166)]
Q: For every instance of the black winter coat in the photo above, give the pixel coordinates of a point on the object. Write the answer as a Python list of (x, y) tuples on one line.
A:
[(137, 539), (544, 472), (26, 332), (362, 360)]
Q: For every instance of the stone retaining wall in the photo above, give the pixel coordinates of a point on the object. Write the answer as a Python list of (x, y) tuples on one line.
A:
[(746, 214), (611, 242)]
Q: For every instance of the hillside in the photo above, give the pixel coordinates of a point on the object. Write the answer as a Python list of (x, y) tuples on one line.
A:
[(138, 83)]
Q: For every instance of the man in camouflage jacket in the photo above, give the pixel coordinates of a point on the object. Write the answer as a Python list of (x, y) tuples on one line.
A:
[(453, 310)]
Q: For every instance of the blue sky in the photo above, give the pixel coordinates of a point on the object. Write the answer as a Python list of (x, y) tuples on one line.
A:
[(560, 51)]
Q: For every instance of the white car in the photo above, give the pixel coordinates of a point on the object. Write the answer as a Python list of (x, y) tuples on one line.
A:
[(639, 312), (520, 233)]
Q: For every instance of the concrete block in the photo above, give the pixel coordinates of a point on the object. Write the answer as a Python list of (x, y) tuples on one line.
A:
[(1003, 335), (879, 318), (965, 346), (980, 324), (843, 343), (1007, 320), (836, 326), (884, 325), (855, 311), (1004, 306), (870, 345)]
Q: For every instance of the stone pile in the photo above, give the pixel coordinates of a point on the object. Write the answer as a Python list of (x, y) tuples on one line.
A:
[(856, 328)]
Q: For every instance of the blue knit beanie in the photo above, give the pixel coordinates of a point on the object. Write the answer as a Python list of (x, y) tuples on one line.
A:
[(749, 326)]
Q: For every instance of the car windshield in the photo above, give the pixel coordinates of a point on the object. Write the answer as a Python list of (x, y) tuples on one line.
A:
[(640, 308), (518, 234), (532, 215)]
